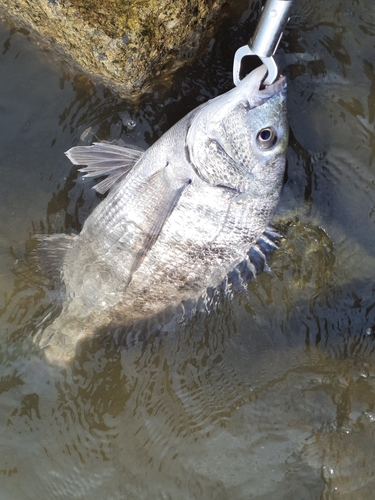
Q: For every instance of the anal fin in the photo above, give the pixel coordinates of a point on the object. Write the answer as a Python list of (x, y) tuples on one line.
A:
[(50, 255)]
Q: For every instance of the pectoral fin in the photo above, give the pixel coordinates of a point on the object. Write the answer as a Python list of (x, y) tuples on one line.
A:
[(104, 159), (168, 191)]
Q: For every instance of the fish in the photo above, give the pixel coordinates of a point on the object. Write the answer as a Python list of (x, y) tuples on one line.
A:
[(178, 217)]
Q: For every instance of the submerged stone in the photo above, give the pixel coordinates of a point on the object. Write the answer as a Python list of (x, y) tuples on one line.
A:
[(128, 44)]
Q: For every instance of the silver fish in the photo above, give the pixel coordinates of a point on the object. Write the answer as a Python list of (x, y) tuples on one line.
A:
[(178, 217)]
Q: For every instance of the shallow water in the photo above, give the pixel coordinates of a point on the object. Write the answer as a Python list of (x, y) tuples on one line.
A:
[(273, 395)]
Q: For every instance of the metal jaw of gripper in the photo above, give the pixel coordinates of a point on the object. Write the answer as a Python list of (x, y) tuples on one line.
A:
[(265, 41)]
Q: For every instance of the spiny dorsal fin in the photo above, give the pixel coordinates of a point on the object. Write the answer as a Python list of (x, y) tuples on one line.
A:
[(260, 252), (255, 261), (107, 159)]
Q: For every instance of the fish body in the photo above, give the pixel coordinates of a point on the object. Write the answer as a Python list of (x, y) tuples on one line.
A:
[(177, 221)]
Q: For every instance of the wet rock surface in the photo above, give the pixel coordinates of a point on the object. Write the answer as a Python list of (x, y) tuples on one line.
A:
[(128, 44)]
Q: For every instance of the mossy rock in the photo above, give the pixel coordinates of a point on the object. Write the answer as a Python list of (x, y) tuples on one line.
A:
[(128, 43)]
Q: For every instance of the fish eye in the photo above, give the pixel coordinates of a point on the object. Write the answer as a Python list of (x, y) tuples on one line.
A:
[(266, 138)]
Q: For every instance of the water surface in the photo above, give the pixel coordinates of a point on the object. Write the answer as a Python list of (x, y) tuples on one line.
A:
[(273, 395)]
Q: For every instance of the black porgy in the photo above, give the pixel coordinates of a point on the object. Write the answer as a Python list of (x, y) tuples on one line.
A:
[(178, 217)]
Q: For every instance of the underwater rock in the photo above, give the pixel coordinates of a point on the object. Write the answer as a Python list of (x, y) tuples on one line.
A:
[(128, 44)]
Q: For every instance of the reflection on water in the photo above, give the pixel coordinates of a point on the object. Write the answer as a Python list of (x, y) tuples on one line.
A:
[(272, 396)]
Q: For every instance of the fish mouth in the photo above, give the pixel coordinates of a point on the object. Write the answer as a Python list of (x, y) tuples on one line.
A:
[(274, 88), (264, 93)]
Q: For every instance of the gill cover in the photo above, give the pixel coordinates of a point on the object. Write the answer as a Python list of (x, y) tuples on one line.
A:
[(228, 135)]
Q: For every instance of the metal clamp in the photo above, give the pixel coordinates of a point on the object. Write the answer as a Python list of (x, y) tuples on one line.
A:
[(266, 39)]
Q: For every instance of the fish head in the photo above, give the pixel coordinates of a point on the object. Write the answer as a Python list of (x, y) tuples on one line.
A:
[(239, 139)]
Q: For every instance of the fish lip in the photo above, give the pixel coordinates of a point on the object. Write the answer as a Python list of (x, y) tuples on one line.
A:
[(273, 89), (263, 94)]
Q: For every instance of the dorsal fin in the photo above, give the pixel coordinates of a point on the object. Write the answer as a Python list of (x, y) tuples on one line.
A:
[(107, 159), (255, 261)]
